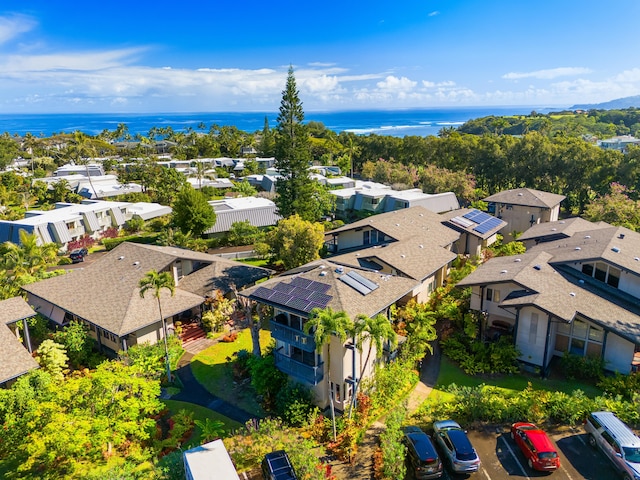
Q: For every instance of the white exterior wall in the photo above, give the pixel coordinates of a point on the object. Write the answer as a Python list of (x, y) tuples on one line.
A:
[(630, 284), (350, 239), (618, 354), (45, 308), (531, 335)]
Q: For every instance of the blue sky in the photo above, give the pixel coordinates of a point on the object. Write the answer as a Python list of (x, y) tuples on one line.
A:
[(205, 56)]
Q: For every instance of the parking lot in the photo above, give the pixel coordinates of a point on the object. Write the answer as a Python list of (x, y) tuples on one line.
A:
[(502, 459)]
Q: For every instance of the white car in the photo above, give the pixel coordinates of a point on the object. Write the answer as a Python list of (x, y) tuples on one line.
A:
[(457, 449)]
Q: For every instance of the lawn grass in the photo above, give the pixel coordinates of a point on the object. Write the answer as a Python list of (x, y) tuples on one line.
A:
[(212, 369), (199, 413), (451, 373), (256, 262)]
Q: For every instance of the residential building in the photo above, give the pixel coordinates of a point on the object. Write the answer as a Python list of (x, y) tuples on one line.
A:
[(620, 143), (578, 294), (478, 230), (260, 212), (15, 358), (91, 169), (411, 243), (106, 294), (558, 230), (373, 198), (522, 208), (324, 284), (69, 222)]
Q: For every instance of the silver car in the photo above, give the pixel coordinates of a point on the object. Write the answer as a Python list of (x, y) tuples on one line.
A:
[(457, 449)]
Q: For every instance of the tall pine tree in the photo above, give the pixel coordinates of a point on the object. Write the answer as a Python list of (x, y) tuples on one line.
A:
[(293, 156)]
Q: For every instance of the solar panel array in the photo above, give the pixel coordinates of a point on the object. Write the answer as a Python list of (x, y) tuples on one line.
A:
[(484, 221), (300, 294), (358, 282)]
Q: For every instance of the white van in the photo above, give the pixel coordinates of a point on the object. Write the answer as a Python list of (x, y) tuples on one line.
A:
[(617, 441)]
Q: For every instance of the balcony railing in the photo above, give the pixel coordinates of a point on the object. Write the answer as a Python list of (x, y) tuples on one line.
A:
[(299, 370), (293, 336)]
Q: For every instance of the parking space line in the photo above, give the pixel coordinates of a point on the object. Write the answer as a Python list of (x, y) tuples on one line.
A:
[(524, 472), (484, 470)]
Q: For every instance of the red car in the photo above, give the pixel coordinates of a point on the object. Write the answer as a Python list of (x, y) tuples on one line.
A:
[(536, 447)]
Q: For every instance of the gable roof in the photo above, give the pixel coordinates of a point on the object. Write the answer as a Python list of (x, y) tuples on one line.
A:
[(413, 259), (453, 220), (106, 293), (560, 228), (527, 197), (618, 246), (15, 360), (406, 224), (343, 297), (560, 291)]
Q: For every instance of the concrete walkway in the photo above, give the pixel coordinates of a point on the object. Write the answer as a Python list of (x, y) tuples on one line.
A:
[(362, 468)]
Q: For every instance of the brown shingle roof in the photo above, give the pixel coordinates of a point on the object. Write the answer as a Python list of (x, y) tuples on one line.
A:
[(345, 298), (406, 224), (15, 360), (566, 228), (558, 291), (413, 259), (106, 293), (527, 197)]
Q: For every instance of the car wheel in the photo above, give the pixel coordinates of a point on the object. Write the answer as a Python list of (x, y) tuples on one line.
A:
[(627, 477), (530, 463), (592, 441)]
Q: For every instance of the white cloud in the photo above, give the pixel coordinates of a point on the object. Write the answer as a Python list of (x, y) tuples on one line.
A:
[(434, 13), (11, 26), (428, 84), (398, 84), (548, 74)]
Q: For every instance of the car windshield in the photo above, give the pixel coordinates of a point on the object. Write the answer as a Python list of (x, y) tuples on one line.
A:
[(632, 454)]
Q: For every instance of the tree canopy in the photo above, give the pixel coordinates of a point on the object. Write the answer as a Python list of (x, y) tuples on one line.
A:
[(293, 156), (192, 213)]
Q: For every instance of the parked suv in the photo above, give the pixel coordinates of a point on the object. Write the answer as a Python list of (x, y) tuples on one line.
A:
[(422, 458), (77, 255), (617, 441), (460, 454), (276, 466)]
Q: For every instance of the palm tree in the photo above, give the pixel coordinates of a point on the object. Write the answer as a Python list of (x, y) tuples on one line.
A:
[(326, 324), (157, 282), (374, 330), (247, 305)]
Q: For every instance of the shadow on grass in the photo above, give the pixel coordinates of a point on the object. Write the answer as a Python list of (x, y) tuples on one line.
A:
[(218, 380)]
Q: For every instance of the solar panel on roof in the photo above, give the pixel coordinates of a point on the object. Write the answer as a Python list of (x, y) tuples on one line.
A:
[(301, 282), (301, 292), (298, 303), (470, 215), (262, 292), (279, 297), (365, 281), (283, 287), (488, 225), (321, 298), (356, 285)]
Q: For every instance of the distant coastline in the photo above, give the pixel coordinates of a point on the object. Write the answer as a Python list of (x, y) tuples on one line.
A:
[(397, 123)]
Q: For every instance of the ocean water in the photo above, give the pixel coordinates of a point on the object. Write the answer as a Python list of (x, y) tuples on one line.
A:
[(397, 123)]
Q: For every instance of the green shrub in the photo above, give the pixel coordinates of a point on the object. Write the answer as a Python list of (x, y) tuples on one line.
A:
[(582, 367), (626, 386), (476, 357)]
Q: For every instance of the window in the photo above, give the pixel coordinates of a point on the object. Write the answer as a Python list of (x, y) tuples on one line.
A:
[(613, 278), (489, 296), (366, 237), (496, 296), (587, 269), (601, 271), (533, 328)]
